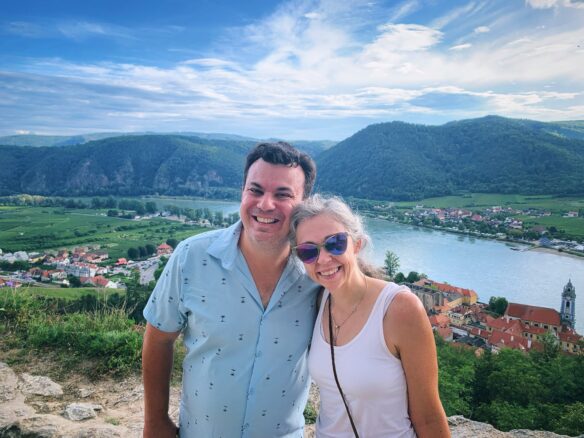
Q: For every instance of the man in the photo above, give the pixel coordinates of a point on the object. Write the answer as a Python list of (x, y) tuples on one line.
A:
[(246, 309)]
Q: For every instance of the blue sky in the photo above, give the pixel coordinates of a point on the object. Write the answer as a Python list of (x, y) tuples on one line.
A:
[(289, 69)]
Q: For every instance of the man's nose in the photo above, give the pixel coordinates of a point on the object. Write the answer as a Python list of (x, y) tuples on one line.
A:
[(266, 203)]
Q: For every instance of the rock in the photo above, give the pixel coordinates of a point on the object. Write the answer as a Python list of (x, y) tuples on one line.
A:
[(39, 385), (84, 392), (8, 383), (100, 431), (13, 411), (81, 411), (461, 427), (42, 426)]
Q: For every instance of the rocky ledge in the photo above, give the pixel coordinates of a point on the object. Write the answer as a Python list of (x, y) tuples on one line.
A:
[(36, 406)]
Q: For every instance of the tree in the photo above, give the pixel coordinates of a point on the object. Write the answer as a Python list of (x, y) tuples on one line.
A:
[(133, 253), (74, 281), (413, 276), (498, 305), (172, 242), (142, 251), (551, 345), (150, 248), (150, 207), (391, 264), (399, 278)]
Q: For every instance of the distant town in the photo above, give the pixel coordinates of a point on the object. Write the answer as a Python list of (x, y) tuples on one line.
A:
[(494, 222)]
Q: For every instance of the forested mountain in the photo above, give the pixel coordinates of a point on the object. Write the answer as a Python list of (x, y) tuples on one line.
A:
[(124, 166), (393, 161), (401, 161), (314, 147)]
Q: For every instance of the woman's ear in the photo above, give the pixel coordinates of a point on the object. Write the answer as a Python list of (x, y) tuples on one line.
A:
[(357, 246)]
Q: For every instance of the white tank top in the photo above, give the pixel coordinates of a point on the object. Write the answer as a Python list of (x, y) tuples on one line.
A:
[(372, 379)]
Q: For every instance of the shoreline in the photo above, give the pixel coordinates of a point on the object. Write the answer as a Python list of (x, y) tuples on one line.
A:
[(530, 245)]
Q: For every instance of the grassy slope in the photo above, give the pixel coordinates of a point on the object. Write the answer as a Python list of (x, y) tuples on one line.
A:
[(32, 228)]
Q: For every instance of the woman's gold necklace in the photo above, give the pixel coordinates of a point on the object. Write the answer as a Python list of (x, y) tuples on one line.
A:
[(337, 327)]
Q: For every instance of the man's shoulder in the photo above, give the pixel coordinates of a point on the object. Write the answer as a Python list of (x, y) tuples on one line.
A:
[(202, 240)]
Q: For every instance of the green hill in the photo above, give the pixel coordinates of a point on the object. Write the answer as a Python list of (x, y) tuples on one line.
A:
[(403, 161), (393, 161), (125, 166)]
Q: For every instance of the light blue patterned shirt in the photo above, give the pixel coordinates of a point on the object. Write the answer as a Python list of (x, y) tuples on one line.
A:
[(245, 373)]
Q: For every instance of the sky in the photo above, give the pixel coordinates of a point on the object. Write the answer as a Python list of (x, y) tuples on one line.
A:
[(300, 69)]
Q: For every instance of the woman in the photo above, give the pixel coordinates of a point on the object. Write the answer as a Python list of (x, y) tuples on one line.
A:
[(384, 356)]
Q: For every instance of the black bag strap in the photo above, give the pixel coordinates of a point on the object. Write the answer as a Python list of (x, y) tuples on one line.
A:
[(330, 324)]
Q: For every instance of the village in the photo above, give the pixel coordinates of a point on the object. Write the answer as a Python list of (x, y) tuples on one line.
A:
[(87, 266), (495, 222), (457, 316)]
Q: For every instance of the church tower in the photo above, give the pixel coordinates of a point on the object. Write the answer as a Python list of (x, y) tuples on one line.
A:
[(568, 310)]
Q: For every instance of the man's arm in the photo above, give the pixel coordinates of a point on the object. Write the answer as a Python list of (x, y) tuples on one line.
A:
[(157, 355)]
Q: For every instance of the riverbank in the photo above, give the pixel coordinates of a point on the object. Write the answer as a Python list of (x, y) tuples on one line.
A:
[(533, 245)]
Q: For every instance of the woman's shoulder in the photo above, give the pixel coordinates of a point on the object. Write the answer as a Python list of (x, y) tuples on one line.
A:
[(406, 307)]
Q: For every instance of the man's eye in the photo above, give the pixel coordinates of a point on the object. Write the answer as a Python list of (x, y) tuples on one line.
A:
[(255, 191), (284, 195)]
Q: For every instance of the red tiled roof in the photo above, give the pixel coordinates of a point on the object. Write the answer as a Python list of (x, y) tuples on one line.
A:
[(501, 339), (512, 326), (100, 280), (439, 320), (526, 312), (445, 287), (572, 337), (479, 332)]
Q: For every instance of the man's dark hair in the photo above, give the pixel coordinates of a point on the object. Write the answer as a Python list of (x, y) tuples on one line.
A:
[(285, 154)]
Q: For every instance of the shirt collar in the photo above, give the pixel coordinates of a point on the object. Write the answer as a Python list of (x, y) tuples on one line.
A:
[(225, 246)]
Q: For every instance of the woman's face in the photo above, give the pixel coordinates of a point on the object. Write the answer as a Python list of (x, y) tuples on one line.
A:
[(329, 270)]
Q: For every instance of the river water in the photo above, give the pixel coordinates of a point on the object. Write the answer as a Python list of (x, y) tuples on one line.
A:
[(489, 267)]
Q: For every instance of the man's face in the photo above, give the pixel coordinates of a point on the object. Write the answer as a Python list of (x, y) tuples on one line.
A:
[(270, 193)]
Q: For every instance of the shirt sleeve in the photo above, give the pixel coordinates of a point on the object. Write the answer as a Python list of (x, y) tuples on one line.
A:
[(164, 309)]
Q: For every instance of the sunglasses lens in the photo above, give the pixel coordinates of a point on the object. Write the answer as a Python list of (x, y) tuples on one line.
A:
[(336, 244), (307, 252)]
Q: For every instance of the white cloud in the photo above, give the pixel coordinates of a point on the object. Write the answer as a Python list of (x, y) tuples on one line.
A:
[(454, 15), (405, 38), (312, 15), (547, 4), (403, 10), (482, 29), (24, 28), (461, 47), (79, 30)]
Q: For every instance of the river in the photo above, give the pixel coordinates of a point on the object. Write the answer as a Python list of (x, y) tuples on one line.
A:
[(488, 267)]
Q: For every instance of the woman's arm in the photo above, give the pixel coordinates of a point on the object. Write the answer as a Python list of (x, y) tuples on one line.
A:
[(408, 333)]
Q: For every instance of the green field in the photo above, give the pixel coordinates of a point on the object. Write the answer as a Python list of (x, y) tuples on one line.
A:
[(63, 293), (573, 226), (38, 228)]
